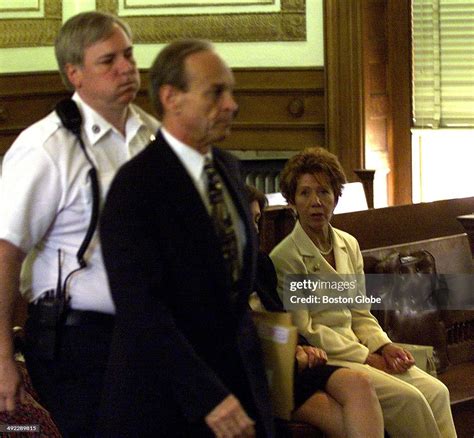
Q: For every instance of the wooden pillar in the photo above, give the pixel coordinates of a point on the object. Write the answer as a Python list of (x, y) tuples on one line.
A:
[(343, 83), (366, 177), (399, 89), (368, 88)]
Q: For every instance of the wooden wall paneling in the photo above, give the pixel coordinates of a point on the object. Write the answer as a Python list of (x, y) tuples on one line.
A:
[(344, 83), (25, 98), (280, 109)]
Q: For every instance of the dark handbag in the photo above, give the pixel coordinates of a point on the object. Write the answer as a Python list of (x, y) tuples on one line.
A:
[(413, 296)]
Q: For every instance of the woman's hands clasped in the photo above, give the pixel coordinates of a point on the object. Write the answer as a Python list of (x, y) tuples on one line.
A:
[(392, 359), (309, 357)]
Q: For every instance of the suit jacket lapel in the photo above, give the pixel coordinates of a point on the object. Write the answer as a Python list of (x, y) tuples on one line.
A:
[(314, 261), (181, 193), (179, 187), (343, 261)]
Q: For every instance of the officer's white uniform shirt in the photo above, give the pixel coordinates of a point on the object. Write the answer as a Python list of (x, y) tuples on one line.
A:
[(46, 199)]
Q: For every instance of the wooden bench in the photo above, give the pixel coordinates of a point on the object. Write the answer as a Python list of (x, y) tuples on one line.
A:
[(432, 227)]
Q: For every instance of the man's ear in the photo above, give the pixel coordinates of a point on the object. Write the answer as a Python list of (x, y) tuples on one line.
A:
[(74, 74), (170, 98)]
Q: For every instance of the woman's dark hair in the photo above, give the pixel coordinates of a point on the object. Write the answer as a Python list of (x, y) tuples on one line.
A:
[(253, 194)]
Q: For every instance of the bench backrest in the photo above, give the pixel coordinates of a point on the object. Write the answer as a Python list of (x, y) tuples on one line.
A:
[(432, 227), (379, 227)]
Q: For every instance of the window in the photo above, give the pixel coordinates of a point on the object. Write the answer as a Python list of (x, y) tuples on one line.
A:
[(443, 63)]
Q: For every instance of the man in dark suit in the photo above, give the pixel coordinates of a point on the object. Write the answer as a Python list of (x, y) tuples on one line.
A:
[(185, 359)]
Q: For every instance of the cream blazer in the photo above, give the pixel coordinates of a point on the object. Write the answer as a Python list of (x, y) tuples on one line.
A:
[(344, 333)]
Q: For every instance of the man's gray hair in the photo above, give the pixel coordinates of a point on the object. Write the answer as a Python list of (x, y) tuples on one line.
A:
[(80, 32)]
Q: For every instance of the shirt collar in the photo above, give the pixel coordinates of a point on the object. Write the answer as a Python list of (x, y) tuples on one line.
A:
[(134, 123), (192, 160), (96, 127)]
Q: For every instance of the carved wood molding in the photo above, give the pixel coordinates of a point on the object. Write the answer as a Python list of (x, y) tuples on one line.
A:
[(287, 25), (32, 32)]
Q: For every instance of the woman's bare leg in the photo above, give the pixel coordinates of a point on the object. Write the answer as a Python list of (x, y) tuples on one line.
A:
[(323, 412), (360, 406)]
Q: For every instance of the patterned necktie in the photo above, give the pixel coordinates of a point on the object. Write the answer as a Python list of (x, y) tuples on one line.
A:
[(222, 220)]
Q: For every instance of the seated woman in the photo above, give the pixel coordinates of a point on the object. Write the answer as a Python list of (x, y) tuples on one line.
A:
[(413, 402), (338, 401)]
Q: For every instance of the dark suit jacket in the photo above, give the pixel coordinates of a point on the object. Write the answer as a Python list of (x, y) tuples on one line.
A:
[(181, 345)]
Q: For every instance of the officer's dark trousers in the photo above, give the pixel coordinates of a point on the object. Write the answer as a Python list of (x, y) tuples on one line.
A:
[(70, 385)]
